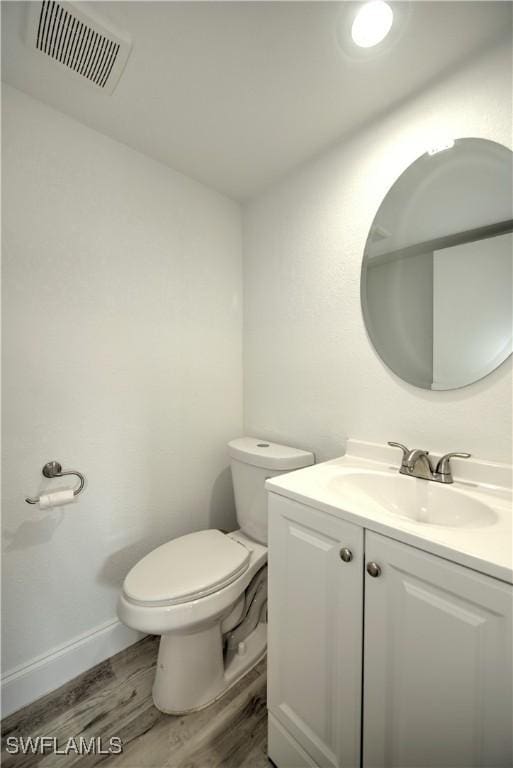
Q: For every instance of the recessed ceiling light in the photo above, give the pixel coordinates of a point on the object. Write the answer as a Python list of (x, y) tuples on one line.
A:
[(372, 23)]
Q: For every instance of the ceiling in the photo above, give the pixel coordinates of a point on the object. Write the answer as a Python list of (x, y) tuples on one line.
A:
[(236, 94)]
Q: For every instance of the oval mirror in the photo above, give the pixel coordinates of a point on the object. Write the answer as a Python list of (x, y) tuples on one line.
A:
[(436, 284)]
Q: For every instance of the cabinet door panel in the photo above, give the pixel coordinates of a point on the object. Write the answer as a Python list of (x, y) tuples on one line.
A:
[(437, 663), (315, 630)]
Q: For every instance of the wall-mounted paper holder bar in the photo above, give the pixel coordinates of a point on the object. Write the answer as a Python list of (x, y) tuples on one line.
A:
[(54, 469)]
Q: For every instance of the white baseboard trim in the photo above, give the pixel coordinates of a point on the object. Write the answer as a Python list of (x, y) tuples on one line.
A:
[(26, 683)]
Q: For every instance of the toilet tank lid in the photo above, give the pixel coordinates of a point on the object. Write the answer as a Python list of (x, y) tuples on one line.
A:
[(261, 453)]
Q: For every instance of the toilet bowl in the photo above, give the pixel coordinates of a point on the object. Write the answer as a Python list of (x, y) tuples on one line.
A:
[(205, 593)]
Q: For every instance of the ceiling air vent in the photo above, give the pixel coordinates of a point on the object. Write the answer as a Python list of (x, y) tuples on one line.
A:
[(76, 38)]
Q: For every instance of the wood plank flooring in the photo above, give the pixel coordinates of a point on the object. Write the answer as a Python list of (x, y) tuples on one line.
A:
[(114, 699)]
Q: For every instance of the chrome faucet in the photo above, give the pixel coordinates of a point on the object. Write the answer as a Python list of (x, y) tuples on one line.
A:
[(417, 463)]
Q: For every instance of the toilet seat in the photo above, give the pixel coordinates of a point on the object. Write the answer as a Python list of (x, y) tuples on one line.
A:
[(187, 568)]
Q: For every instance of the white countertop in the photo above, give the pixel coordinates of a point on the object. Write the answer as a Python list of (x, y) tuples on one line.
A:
[(485, 548)]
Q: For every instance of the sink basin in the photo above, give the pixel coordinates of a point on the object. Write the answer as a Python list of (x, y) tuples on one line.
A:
[(422, 501)]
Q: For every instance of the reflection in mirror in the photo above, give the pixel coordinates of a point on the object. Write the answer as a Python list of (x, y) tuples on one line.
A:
[(437, 270)]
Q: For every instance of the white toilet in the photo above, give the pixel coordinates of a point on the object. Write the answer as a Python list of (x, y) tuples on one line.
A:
[(206, 592)]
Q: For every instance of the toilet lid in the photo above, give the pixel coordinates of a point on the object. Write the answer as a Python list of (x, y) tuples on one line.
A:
[(187, 568)]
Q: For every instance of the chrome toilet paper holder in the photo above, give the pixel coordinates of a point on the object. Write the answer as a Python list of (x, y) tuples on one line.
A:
[(54, 469)]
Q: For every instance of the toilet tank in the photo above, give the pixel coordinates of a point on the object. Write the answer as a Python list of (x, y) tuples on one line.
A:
[(253, 461)]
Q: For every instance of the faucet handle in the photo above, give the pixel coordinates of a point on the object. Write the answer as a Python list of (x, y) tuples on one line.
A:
[(404, 449), (444, 464)]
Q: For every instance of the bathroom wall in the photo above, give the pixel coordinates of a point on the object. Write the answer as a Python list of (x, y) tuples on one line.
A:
[(312, 378), (122, 358)]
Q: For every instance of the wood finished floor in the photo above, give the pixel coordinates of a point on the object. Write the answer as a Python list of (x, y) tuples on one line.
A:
[(114, 699)]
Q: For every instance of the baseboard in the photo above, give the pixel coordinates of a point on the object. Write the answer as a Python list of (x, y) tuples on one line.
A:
[(25, 684)]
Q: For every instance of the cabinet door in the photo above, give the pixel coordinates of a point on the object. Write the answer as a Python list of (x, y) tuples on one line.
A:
[(437, 663), (315, 631)]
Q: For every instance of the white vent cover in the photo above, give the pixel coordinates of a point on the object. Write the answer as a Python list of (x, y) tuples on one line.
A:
[(76, 38)]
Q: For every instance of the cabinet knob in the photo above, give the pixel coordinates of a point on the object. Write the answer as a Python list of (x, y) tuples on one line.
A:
[(346, 555), (373, 569)]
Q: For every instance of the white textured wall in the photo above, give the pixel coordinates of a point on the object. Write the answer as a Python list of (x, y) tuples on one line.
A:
[(312, 377), (122, 358)]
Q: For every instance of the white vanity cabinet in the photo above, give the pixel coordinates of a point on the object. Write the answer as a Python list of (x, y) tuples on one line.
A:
[(314, 637), (437, 659), (437, 662)]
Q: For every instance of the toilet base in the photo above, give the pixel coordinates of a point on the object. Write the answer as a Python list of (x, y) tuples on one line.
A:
[(192, 672)]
